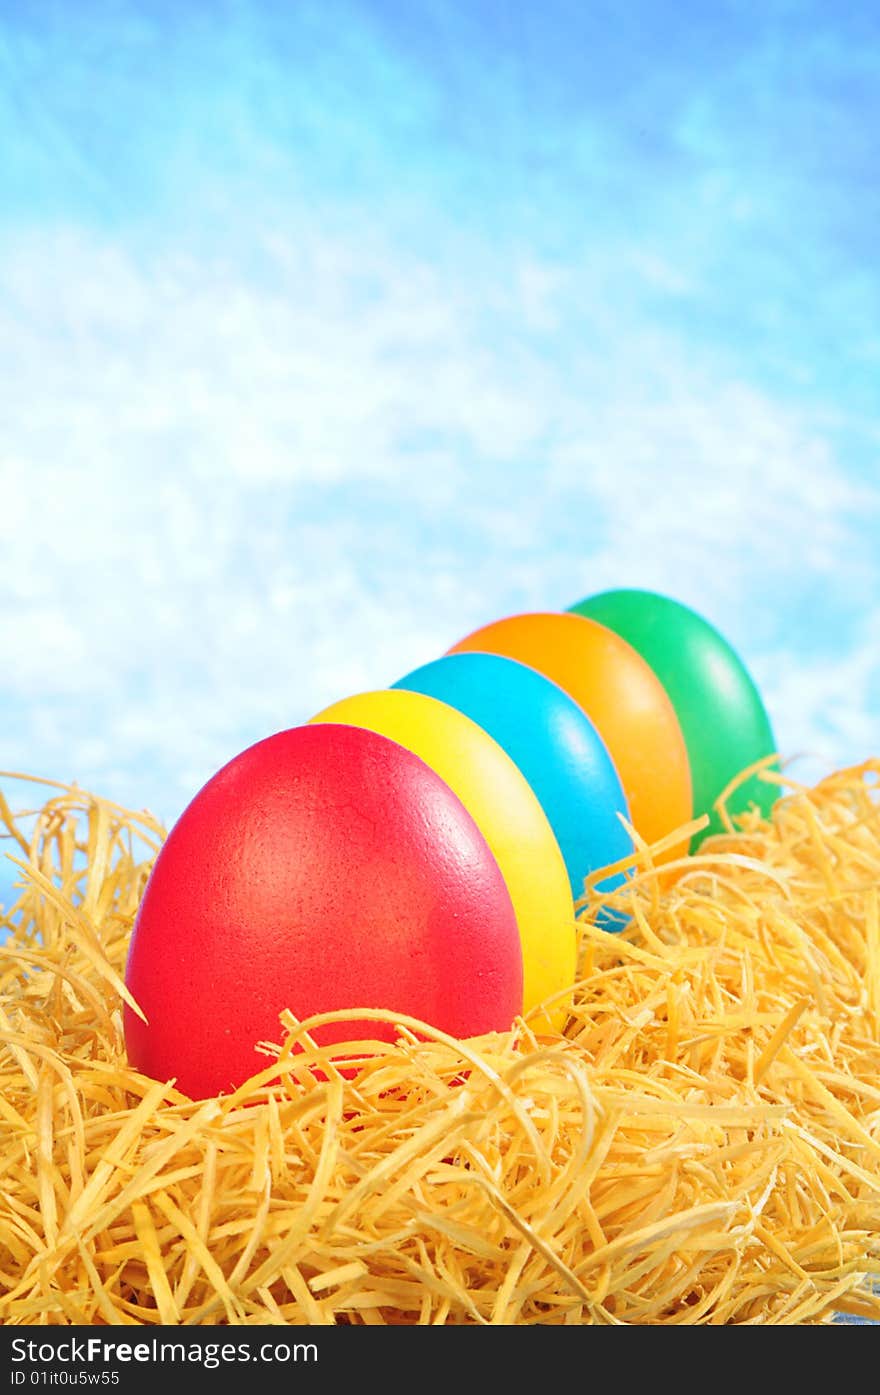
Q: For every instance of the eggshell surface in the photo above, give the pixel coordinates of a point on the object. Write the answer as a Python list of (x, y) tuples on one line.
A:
[(510, 817), (326, 867), (722, 715), (621, 695), (554, 744)]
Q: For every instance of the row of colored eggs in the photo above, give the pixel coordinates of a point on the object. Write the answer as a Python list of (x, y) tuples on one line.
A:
[(419, 849)]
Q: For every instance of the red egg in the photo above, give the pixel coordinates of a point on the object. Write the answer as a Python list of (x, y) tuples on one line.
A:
[(323, 868)]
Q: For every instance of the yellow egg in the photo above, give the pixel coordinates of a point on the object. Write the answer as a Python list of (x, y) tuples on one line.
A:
[(505, 808)]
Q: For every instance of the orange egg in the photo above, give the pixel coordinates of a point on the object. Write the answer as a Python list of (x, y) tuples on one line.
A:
[(621, 695)]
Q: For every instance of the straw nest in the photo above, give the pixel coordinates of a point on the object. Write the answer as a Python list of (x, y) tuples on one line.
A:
[(701, 1146)]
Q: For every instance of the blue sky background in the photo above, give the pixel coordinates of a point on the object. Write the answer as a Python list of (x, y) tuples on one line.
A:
[(330, 332)]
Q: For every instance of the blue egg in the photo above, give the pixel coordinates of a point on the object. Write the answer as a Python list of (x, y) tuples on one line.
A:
[(556, 746)]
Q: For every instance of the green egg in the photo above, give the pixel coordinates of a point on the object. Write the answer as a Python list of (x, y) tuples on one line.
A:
[(722, 716)]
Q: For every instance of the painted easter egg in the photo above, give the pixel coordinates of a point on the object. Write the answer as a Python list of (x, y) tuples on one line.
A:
[(554, 743), (324, 868), (621, 695), (510, 817), (721, 712)]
